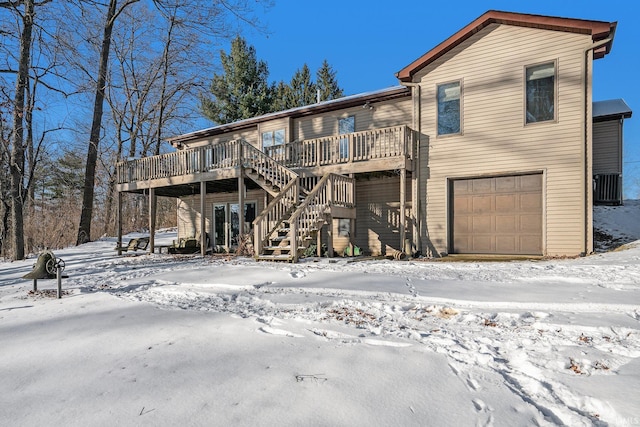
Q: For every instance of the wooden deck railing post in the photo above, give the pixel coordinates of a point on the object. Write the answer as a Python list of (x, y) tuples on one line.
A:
[(330, 192), (352, 148)]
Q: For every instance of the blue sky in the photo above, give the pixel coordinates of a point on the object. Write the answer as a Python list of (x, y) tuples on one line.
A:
[(367, 42)]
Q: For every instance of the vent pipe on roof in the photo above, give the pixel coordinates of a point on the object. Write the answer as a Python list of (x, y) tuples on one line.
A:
[(318, 96)]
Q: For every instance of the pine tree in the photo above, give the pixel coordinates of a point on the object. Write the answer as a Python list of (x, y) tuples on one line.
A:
[(302, 91), (65, 176), (327, 83), (280, 93), (242, 90)]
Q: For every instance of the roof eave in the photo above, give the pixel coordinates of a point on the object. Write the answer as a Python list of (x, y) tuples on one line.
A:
[(599, 30), (340, 103)]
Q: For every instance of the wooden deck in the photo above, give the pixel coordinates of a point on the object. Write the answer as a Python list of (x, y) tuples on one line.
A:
[(369, 151)]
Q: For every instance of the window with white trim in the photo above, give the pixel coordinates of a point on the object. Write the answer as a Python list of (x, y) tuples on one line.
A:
[(273, 138), (540, 104)]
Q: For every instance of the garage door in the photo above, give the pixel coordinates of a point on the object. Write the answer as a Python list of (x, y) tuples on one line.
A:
[(497, 215)]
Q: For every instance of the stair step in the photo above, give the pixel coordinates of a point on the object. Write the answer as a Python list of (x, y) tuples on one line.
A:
[(277, 248), (274, 257)]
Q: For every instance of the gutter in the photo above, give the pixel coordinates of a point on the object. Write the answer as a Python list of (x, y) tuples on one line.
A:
[(588, 180)]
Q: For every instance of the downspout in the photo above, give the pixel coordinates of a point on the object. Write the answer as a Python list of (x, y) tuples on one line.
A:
[(587, 120), (415, 195)]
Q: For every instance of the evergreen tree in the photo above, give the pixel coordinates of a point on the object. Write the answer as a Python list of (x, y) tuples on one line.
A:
[(242, 90), (302, 91), (65, 176), (327, 83), (280, 93)]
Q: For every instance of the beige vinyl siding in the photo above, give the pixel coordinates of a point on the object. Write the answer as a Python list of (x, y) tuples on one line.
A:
[(377, 229), (607, 147), (495, 139), (383, 114), (189, 210), (250, 135)]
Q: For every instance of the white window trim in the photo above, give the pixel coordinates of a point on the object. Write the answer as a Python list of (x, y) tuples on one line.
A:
[(273, 136)]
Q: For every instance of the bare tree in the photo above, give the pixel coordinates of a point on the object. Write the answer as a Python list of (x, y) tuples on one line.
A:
[(28, 56), (84, 230), (158, 72), (17, 159), (4, 182), (155, 102)]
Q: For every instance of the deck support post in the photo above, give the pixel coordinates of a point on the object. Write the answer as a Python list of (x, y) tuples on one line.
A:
[(415, 205), (203, 218), (119, 223), (403, 205), (241, 213), (352, 221), (330, 237), (152, 220)]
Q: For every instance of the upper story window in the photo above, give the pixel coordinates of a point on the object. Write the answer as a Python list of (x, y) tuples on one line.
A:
[(449, 118), (345, 125), (541, 93), (272, 138)]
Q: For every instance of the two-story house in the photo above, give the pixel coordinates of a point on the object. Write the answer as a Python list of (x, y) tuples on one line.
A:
[(485, 147)]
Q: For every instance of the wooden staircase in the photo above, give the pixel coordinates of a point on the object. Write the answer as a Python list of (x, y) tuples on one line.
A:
[(291, 221)]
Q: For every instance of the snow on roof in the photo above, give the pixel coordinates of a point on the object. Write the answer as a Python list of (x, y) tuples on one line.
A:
[(320, 106), (611, 108)]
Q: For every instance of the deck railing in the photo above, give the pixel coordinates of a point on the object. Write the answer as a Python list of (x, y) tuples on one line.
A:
[(607, 188), (180, 163), (397, 141)]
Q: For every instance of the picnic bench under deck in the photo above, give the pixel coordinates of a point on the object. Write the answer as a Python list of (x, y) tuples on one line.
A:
[(137, 243), (160, 248), (188, 245)]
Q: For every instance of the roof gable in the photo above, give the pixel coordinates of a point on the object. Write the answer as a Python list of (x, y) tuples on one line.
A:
[(599, 30)]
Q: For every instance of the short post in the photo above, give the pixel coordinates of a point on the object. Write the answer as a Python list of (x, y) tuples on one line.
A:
[(59, 277), (35, 285)]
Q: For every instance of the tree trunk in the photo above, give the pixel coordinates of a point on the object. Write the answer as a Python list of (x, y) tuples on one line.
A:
[(17, 161), (84, 231)]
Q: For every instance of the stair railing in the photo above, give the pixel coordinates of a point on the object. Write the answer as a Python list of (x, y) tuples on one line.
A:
[(277, 211), (331, 190), (266, 166)]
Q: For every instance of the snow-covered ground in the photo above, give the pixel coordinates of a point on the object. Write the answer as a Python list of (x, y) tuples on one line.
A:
[(161, 340)]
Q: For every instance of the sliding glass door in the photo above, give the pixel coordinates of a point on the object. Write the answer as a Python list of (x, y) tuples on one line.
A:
[(226, 223)]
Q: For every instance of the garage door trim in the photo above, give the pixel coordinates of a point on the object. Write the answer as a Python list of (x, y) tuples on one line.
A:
[(499, 214)]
